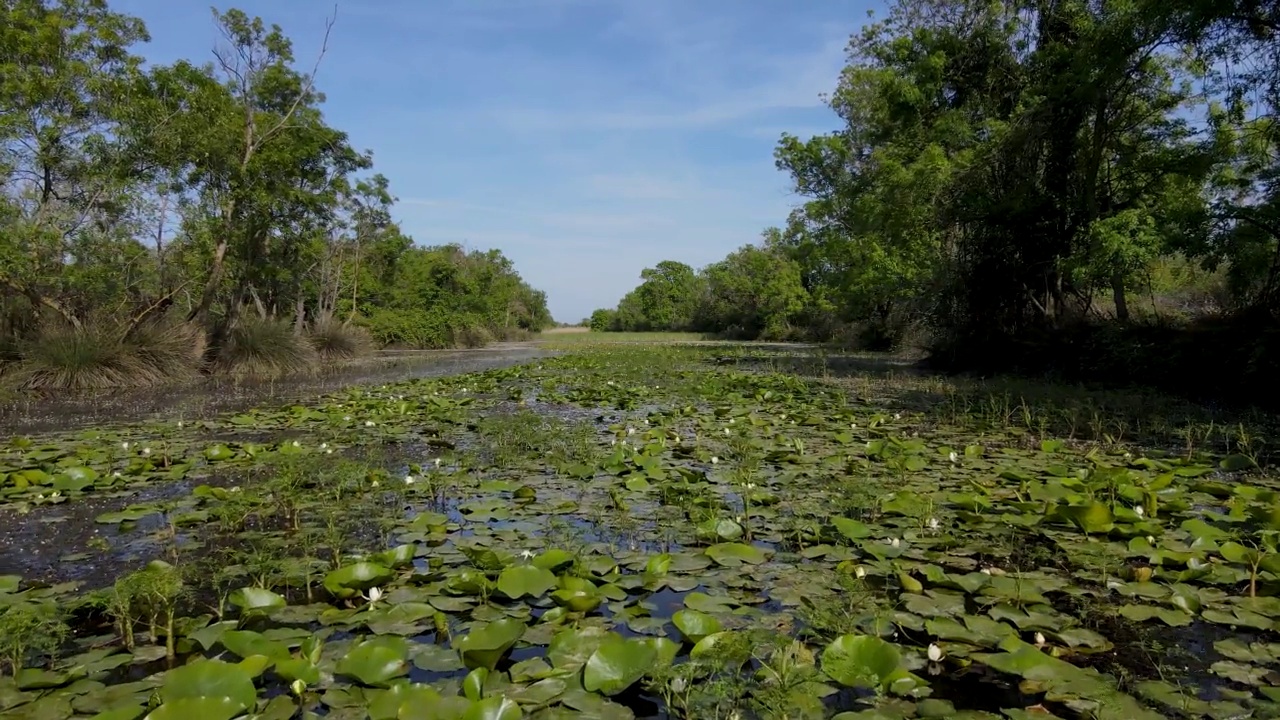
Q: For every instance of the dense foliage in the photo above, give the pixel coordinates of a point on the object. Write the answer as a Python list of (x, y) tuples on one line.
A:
[(200, 194), (1007, 168)]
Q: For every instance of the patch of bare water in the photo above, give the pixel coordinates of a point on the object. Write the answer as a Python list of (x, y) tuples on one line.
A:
[(211, 397)]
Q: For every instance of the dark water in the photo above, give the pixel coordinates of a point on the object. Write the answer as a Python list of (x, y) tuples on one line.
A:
[(212, 397)]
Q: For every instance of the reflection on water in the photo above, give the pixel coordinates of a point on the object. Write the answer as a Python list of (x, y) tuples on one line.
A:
[(210, 397)]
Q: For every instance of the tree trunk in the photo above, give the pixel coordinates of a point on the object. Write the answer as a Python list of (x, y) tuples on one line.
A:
[(299, 314), (1117, 294), (200, 312)]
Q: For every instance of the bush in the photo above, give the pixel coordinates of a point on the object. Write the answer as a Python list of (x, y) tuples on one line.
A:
[(265, 349), (405, 328), (470, 336), (98, 355), (174, 348), (513, 334), (60, 356), (333, 340)]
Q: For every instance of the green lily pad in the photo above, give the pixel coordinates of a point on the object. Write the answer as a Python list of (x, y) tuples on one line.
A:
[(617, 664)]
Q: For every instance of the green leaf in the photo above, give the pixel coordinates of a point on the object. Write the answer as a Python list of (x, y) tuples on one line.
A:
[(247, 643), (349, 580), (377, 661), (494, 708), (617, 663), (516, 582), (485, 645), (852, 529), (204, 708), (695, 625), (861, 661), (255, 598), (736, 554), (224, 685)]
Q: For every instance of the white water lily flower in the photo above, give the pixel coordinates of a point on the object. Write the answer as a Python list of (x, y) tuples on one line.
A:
[(528, 554), (1151, 539), (677, 439), (375, 594), (324, 446), (986, 571), (679, 685), (146, 451), (1040, 640), (235, 488), (329, 451), (646, 421), (935, 653), (116, 474), (783, 416), (631, 431), (437, 462), (124, 446), (408, 480), (895, 542), (297, 444), (953, 457), (751, 486), (346, 418), (714, 459), (369, 423), (853, 426), (179, 424), (374, 483), (726, 431), (933, 523), (609, 383), (897, 416), (860, 572), (1138, 509)]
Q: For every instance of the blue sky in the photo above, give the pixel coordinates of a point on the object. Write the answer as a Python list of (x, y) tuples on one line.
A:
[(586, 139)]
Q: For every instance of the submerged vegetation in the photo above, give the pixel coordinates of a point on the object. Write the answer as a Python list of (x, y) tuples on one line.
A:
[(638, 530), (157, 221)]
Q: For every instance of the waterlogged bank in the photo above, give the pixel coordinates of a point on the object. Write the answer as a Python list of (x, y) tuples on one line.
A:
[(33, 413), (651, 532)]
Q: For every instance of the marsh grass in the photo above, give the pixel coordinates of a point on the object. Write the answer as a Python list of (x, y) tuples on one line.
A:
[(334, 340), (98, 355), (1035, 410), (579, 339), (259, 348)]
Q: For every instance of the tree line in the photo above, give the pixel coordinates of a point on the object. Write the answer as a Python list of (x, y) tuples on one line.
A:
[(1005, 171), (172, 219)]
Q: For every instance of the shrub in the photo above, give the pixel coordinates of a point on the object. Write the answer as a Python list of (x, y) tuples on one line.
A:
[(265, 349), (406, 328), (60, 356), (173, 348), (97, 355), (470, 336), (333, 340), (513, 334)]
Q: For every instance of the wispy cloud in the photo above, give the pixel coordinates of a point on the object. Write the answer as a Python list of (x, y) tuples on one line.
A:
[(587, 139)]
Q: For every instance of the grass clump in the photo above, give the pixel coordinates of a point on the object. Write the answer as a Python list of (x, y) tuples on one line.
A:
[(334, 340), (97, 355), (173, 348), (470, 336), (265, 349)]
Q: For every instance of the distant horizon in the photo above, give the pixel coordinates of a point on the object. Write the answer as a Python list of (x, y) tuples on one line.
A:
[(585, 139)]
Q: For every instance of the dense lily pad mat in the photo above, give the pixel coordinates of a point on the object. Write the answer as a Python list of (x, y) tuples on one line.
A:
[(644, 532)]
